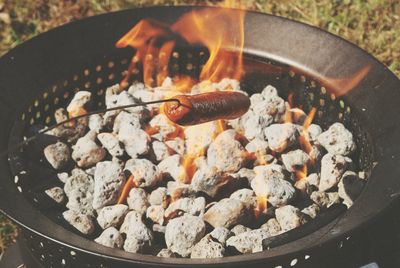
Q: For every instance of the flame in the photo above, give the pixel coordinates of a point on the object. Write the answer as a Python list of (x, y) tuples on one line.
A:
[(341, 86), (304, 141), (301, 173), (183, 83), (129, 184), (78, 111), (189, 166), (144, 37), (309, 118), (261, 206), (151, 130), (220, 30), (220, 127), (217, 29)]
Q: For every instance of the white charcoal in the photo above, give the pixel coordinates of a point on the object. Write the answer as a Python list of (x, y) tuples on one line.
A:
[(57, 194), (86, 152), (111, 143), (337, 140), (81, 222), (58, 155), (325, 200), (112, 216), (111, 238), (207, 248), (281, 136), (108, 182), (144, 172), (332, 169), (138, 200), (227, 213), (295, 160), (289, 217), (350, 187), (183, 233)]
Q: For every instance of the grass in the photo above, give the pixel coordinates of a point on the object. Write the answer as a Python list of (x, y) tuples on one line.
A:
[(8, 232), (373, 25)]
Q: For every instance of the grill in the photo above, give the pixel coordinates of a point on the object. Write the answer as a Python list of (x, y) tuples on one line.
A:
[(42, 75)]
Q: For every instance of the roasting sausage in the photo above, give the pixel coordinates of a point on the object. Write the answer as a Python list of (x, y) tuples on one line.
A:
[(205, 107)]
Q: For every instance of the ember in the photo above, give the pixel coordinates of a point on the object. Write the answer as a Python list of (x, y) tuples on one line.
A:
[(214, 171)]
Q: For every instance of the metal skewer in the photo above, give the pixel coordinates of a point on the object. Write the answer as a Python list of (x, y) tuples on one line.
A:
[(26, 141)]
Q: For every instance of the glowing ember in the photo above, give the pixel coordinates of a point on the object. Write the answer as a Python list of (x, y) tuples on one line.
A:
[(304, 138), (190, 167), (129, 184), (301, 173), (262, 205)]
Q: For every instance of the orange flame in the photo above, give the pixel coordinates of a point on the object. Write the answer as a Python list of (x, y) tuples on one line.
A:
[(74, 113), (144, 37), (301, 173), (220, 30), (221, 126), (309, 118), (151, 130), (183, 83), (261, 206), (129, 184), (190, 167), (304, 140), (341, 86)]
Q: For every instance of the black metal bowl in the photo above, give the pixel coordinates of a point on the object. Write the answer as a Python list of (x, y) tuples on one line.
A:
[(41, 75)]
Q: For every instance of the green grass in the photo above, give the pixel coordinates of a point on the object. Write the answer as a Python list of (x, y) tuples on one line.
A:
[(371, 24), (8, 232)]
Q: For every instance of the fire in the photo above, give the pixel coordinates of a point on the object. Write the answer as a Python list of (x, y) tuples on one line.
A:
[(183, 83), (304, 142), (341, 86), (220, 127), (301, 173), (220, 30), (303, 139), (129, 184), (306, 145), (262, 202), (78, 111), (309, 118), (189, 166), (144, 37), (151, 130)]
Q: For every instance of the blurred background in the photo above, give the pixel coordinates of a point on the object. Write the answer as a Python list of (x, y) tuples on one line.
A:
[(374, 25)]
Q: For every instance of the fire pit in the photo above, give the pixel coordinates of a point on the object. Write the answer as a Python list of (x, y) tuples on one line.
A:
[(311, 68)]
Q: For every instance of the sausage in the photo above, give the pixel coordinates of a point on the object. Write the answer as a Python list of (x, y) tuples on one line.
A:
[(205, 107)]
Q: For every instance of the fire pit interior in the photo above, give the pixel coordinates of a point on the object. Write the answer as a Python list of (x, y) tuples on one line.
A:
[(231, 197), (252, 193)]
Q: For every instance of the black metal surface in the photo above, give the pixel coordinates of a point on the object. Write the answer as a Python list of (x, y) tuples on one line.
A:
[(12, 258), (378, 244), (44, 68)]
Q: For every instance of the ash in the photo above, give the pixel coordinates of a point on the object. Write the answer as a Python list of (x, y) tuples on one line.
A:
[(131, 176)]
